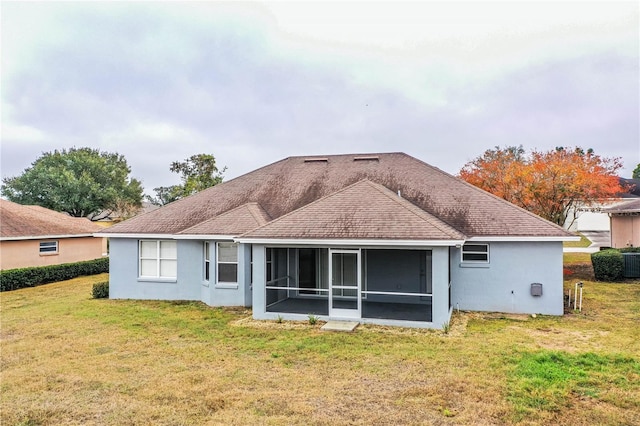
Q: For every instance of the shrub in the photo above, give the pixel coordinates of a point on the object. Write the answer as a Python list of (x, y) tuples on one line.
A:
[(608, 265), (630, 250), (100, 290), (14, 279)]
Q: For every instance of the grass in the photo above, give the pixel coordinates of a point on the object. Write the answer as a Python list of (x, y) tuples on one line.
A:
[(70, 359), (584, 242), (572, 258)]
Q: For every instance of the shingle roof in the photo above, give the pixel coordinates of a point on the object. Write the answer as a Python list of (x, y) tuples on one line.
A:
[(294, 182), (19, 221), (364, 210), (234, 222), (631, 206)]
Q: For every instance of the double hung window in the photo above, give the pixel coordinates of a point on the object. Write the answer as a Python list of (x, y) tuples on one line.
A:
[(207, 261), (158, 259), (227, 254)]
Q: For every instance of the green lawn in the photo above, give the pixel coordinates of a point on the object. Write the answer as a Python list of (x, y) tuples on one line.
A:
[(70, 359), (584, 242)]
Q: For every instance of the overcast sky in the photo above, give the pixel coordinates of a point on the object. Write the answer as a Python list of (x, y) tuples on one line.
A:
[(254, 83)]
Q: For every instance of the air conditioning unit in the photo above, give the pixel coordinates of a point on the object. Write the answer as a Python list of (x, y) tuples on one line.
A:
[(631, 265)]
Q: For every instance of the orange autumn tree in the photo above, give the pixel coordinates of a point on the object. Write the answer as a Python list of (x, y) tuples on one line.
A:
[(551, 184)]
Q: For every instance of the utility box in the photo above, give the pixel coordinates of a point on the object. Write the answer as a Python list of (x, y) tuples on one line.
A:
[(631, 265), (536, 289)]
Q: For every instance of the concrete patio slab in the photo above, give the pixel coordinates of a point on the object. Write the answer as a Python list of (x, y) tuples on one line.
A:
[(347, 326)]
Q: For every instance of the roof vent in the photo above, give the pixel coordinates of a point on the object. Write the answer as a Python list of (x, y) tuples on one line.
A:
[(367, 158), (316, 160)]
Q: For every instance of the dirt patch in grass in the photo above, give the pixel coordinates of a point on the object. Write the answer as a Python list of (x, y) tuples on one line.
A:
[(579, 271)]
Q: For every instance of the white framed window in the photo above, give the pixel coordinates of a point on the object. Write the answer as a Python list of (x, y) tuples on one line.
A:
[(207, 261), (227, 260), (475, 253), (49, 247), (158, 259)]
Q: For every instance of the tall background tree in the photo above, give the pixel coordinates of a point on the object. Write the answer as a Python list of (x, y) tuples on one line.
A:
[(83, 182), (550, 183), (197, 172), (636, 172)]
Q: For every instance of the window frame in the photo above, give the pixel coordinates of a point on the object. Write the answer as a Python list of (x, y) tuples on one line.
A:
[(219, 283), (475, 252), (158, 260), (206, 273), (56, 246)]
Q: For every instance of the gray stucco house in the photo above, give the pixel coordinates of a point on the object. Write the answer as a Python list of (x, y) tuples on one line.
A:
[(374, 238)]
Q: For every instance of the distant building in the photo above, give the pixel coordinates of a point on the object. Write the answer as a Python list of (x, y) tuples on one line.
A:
[(36, 236)]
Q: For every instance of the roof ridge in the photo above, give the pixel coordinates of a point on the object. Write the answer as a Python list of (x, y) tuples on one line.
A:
[(349, 154), (412, 208)]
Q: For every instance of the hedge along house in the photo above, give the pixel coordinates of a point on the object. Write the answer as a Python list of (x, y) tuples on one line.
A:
[(376, 238)]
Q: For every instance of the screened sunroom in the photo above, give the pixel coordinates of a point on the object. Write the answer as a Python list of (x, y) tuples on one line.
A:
[(390, 284)]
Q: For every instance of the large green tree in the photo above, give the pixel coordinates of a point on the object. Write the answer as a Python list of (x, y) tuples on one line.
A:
[(83, 182), (636, 172), (197, 172)]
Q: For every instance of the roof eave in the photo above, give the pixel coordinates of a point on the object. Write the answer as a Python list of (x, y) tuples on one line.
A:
[(46, 237), (523, 238), (348, 242)]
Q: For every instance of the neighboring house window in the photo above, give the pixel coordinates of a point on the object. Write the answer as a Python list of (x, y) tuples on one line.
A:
[(158, 259), (207, 261), (227, 262), (478, 253), (49, 247)]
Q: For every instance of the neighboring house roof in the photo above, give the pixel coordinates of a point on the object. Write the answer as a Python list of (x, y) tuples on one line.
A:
[(631, 206), (29, 222), (633, 185), (290, 184)]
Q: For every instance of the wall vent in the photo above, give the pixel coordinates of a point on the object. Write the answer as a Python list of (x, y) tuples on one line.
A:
[(316, 160), (367, 158), (536, 289)]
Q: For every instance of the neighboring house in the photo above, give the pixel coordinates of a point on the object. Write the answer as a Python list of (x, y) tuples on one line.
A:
[(35, 236), (625, 224), (376, 238), (594, 217)]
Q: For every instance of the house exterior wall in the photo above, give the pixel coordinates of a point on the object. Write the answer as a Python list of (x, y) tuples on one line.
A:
[(189, 283), (504, 284), (214, 294), (124, 282), (625, 231), (592, 221), (26, 253)]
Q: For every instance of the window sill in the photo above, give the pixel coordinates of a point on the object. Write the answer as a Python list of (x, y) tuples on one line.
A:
[(474, 265), (229, 286), (49, 254), (205, 283), (157, 280)]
